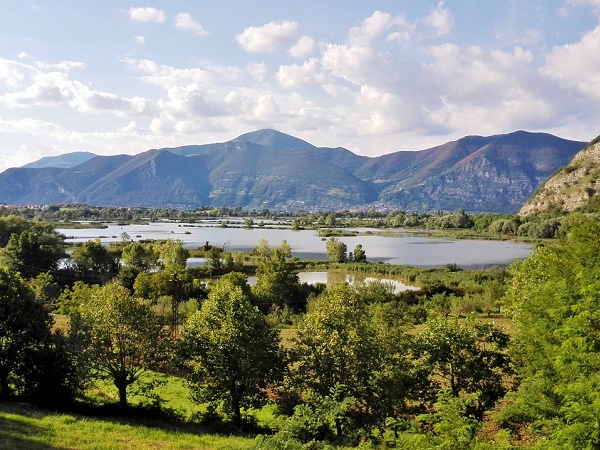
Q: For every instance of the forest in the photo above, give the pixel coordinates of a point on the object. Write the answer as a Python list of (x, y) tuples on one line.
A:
[(473, 359)]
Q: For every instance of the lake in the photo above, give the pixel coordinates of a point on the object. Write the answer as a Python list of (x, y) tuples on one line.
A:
[(332, 278), (306, 244)]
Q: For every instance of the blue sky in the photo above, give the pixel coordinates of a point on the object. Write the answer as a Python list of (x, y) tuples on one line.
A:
[(375, 77)]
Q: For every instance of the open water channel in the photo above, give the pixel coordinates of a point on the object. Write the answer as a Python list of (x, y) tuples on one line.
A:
[(307, 244)]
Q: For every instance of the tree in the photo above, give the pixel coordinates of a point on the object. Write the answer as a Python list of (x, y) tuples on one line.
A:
[(173, 256), (278, 254), (229, 351), (213, 260), (470, 357), (92, 262), (359, 254), (276, 283), (31, 253), (336, 250), (137, 258), (118, 336), (338, 344), (12, 224), (554, 302), (140, 257), (45, 288), (330, 220), (31, 360)]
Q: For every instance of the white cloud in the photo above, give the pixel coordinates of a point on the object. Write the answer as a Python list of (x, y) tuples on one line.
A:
[(268, 37), (258, 71), (377, 25), (13, 73), (267, 108), (167, 76), (184, 22), (55, 88), (295, 75), (577, 65), (140, 40), (46, 89), (131, 127), (440, 20), (31, 126), (303, 47), (147, 15)]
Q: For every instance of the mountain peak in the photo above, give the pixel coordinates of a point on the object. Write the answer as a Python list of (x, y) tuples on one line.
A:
[(61, 161), (274, 139)]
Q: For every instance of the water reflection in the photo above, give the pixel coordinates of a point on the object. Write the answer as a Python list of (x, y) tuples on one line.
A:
[(333, 278)]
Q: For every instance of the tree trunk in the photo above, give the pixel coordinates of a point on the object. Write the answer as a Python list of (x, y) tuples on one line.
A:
[(237, 410), (338, 427), (4, 387), (122, 387)]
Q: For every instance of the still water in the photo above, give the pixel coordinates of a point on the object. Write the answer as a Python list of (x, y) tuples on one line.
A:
[(332, 278), (306, 244)]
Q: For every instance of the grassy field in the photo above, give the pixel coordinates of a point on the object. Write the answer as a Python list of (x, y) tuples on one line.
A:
[(26, 427)]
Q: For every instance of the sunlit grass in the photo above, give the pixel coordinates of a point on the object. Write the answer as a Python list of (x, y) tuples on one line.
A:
[(26, 427)]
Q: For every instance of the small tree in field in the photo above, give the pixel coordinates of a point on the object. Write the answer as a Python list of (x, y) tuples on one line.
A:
[(336, 250), (359, 254), (229, 351), (119, 337)]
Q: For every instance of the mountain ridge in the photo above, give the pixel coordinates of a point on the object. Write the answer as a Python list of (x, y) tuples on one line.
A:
[(574, 187), (270, 169)]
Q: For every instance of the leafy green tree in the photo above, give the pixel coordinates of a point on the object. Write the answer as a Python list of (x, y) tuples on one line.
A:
[(137, 258), (118, 336), (31, 253), (277, 282), (45, 288), (338, 344), (12, 224), (173, 256), (554, 302), (92, 262), (152, 286), (470, 357), (336, 250), (214, 262), (140, 257), (70, 298), (31, 360), (359, 254), (230, 353)]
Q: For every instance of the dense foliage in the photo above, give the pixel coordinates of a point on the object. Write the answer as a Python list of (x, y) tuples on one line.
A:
[(424, 368)]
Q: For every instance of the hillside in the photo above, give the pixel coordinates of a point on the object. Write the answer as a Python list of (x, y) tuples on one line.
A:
[(573, 187), (269, 169)]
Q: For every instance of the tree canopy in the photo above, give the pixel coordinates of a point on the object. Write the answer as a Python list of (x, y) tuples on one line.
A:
[(229, 351), (119, 337), (554, 302)]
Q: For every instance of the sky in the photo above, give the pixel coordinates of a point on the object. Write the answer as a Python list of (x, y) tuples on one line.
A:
[(112, 77)]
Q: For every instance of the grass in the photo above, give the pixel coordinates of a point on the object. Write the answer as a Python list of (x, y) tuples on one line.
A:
[(26, 427), (174, 393)]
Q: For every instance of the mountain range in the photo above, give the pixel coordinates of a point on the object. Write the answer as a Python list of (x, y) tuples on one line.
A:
[(269, 169)]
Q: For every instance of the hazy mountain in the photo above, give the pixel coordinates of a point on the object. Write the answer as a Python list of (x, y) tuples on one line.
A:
[(269, 169), (275, 139), (62, 161), (574, 187)]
